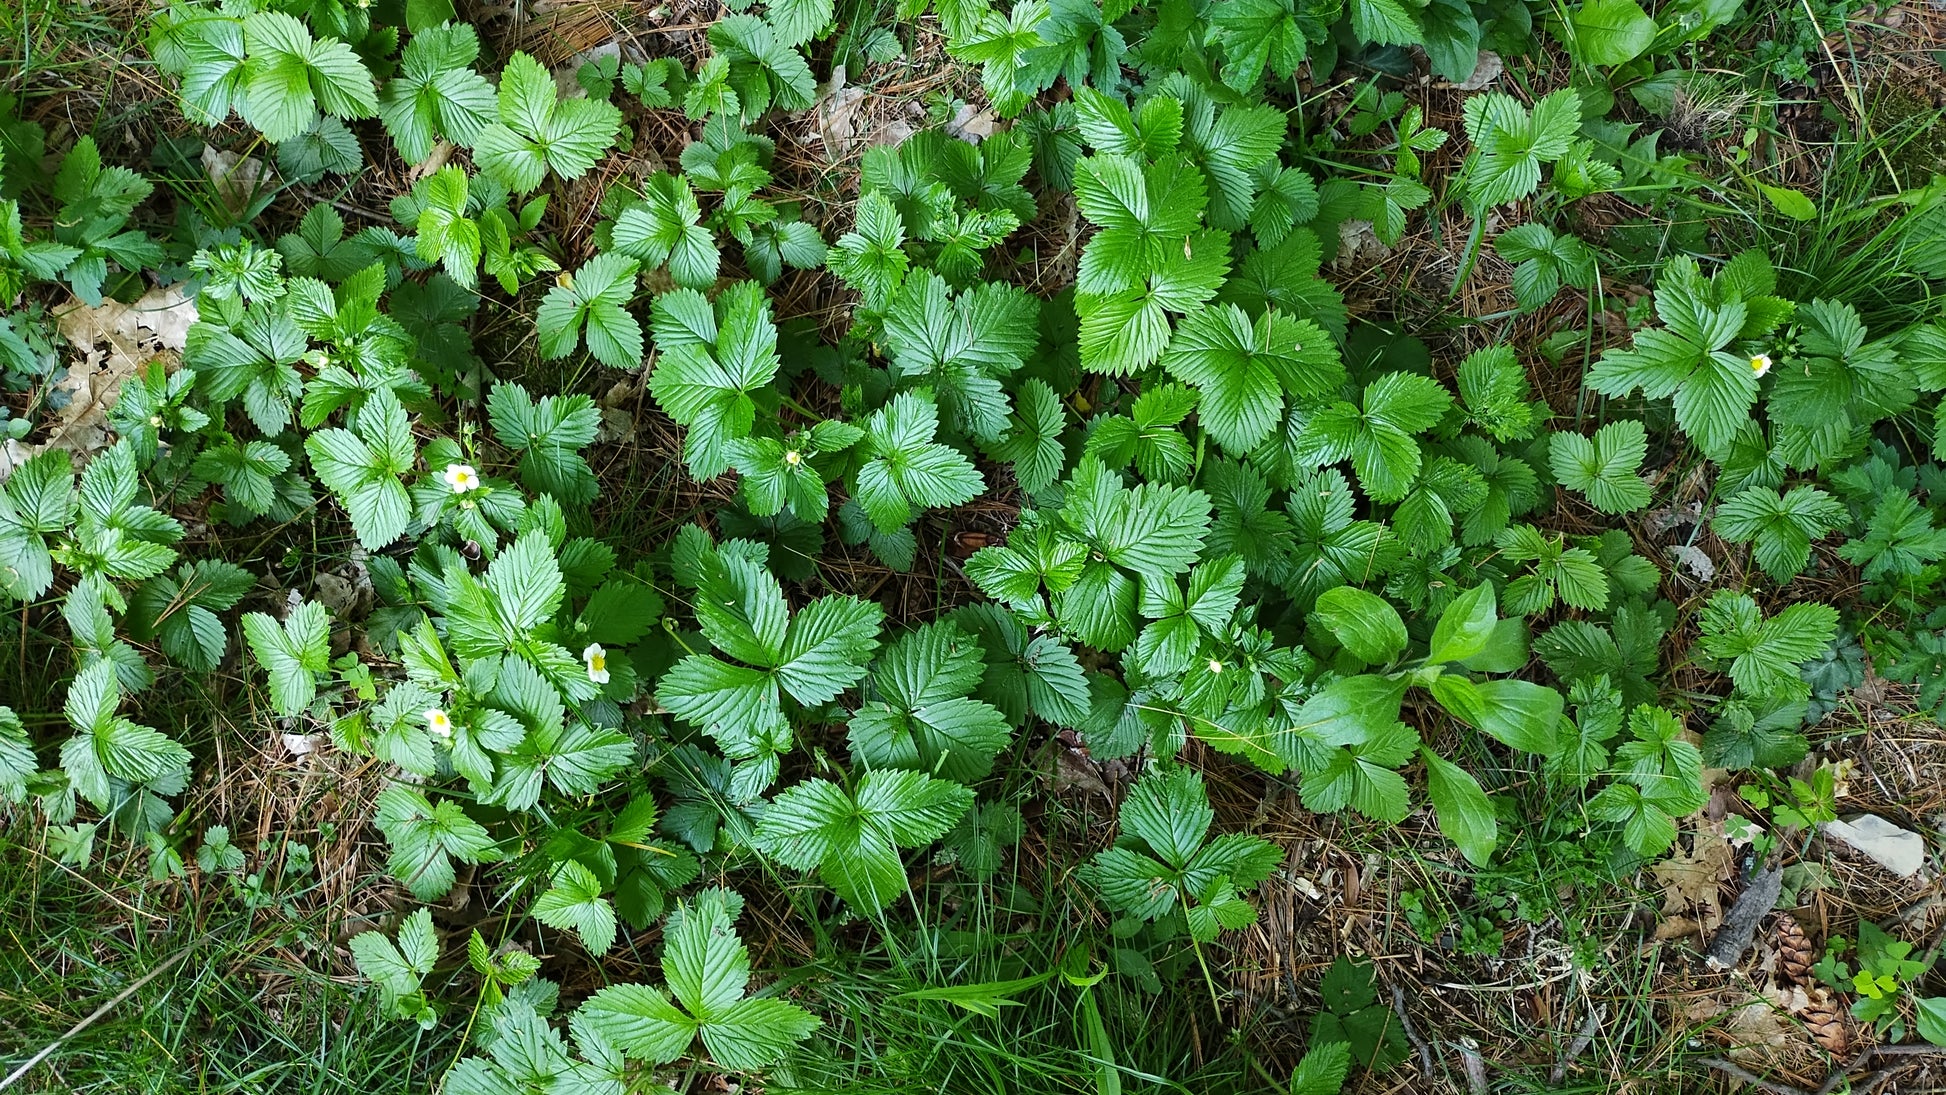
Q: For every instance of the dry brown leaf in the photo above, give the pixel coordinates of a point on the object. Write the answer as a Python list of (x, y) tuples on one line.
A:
[(1690, 881), (162, 317), (1485, 71), (13, 454), (110, 342), (439, 156), (1762, 1032), (837, 116), (1758, 1027), (972, 124), (1677, 927), (238, 180), (1358, 246), (892, 133), (617, 426)]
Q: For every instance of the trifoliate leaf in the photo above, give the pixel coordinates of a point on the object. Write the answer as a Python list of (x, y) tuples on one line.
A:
[(1377, 436), (1604, 467), (1246, 369), (1783, 525), (291, 654), (707, 969), (906, 470), (1765, 654), (365, 469), (593, 304), (537, 133), (713, 359), (854, 842), (290, 75)]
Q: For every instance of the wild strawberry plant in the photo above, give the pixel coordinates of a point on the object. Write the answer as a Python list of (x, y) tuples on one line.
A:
[(1238, 525)]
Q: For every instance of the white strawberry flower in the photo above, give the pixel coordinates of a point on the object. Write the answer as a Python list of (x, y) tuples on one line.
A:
[(461, 478), (597, 661), (439, 722), (1760, 364)]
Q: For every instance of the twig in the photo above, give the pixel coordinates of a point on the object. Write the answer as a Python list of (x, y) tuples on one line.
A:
[(1475, 1068), (1582, 1038), (1740, 923), (1751, 1078), (1523, 986), (1838, 1076), (89, 1021), (1411, 1035), (1871, 1083)]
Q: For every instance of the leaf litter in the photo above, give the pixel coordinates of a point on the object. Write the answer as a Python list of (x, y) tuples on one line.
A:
[(109, 343)]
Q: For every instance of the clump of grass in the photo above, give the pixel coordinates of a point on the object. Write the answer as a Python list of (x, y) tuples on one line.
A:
[(204, 993)]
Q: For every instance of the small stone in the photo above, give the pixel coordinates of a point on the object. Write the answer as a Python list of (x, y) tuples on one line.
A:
[(1897, 850)]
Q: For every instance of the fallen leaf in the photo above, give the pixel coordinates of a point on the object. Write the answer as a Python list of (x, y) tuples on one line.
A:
[(1357, 241), (1677, 927), (436, 159), (892, 134), (1761, 1032), (837, 116), (1660, 522), (298, 745), (12, 455), (1069, 770), (1690, 881), (1757, 1027), (238, 180), (1485, 71), (161, 317), (110, 342), (1792, 998), (617, 426), (972, 124), (1694, 560)]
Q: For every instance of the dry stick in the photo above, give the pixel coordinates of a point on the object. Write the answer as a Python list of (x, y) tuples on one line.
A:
[(1740, 923), (89, 1021), (1411, 1035), (1838, 1076), (1582, 1038), (1884, 1075), (1476, 1069), (1751, 1078)]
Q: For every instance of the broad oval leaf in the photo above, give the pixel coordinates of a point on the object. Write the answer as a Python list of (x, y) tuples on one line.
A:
[(1367, 626), (1466, 626), (1520, 714), (1464, 812)]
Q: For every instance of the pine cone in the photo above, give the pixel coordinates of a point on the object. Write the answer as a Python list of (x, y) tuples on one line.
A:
[(1794, 953), (1825, 1019)]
